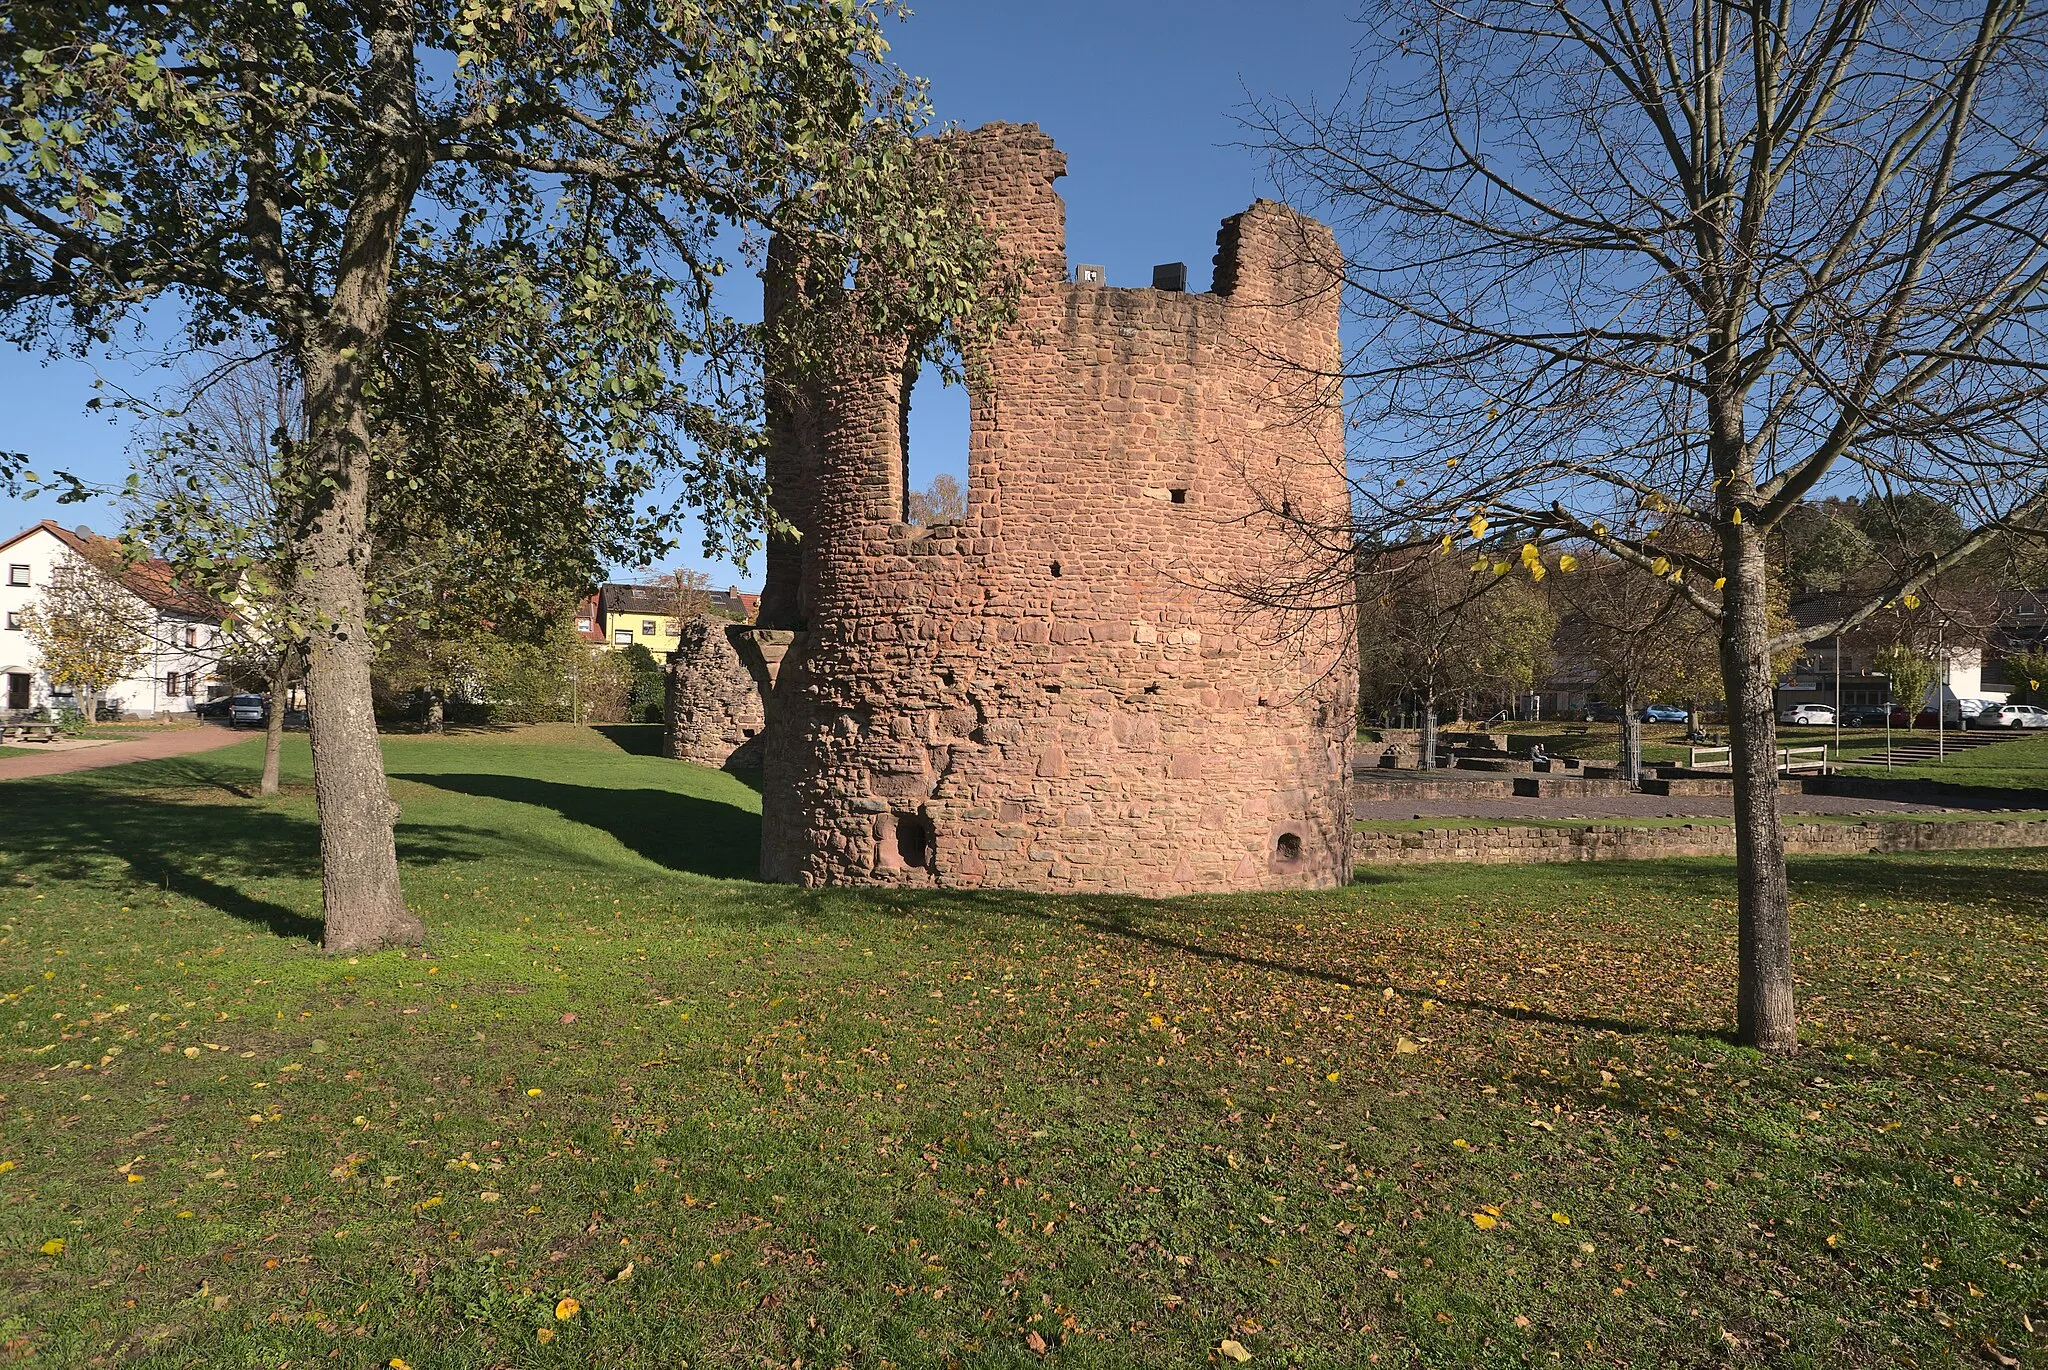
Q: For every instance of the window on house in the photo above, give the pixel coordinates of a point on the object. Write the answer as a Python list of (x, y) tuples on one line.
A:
[(191, 637), (192, 685), (647, 627), (17, 575), (674, 629), (14, 619), (623, 637), (171, 683)]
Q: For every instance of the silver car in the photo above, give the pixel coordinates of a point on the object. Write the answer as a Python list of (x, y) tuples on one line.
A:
[(248, 711), (2011, 716)]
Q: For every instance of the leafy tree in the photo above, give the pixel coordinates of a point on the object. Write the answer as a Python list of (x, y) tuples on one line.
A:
[(1620, 264), (2027, 673), (1912, 674), (447, 201), (1824, 547), (1636, 633), (87, 629), (1434, 630), (649, 693)]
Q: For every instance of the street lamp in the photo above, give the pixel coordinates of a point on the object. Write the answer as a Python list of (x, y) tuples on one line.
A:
[(1838, 699)]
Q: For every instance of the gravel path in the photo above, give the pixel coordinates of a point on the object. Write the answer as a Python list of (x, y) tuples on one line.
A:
[(154, 746)]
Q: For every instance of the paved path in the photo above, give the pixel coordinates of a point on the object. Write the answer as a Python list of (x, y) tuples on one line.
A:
[(150, 746)]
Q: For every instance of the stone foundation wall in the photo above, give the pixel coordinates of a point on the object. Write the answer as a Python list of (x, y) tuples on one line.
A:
[(1601, 842), (713, 715), (1061, 691)]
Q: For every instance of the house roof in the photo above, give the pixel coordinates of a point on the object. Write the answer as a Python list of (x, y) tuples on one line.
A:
[(150, 580), (651, 599)]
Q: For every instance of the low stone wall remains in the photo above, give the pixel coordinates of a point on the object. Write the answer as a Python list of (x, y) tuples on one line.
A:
[(1609, 842)]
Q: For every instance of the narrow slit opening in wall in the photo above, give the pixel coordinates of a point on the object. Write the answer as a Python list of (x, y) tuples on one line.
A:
[(935, 420)]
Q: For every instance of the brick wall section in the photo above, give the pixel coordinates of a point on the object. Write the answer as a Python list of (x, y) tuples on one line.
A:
[(1600, 842), (713, 713), (1054, 694)]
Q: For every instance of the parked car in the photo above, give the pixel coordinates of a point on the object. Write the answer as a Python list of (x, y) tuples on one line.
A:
[(213, 708), (248, 711), (1601, 713), (1953, 717), (1809, 716), (2011, 716), (1876, 716), (1664, 713)]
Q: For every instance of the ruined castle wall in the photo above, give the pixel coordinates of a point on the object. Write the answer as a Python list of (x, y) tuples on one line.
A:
[(1061, 692), (714, 714)]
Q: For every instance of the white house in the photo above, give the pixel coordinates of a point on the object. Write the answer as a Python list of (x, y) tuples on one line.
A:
[(182, 662)]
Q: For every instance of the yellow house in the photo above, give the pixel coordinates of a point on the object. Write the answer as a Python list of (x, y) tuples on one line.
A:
[(631, 613)]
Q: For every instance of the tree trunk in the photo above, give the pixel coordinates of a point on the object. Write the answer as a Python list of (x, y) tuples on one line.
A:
[(1427, 760), (1631, 741), (359, 888), (273, 732), (1763, 996), (437, 712)]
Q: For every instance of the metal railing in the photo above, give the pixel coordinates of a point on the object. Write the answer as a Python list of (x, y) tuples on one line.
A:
[(1789, 758)]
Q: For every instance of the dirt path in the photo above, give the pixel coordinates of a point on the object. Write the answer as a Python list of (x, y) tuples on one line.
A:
[(150, 747)]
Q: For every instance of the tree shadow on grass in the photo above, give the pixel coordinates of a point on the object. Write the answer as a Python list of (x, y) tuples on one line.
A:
[(94, 834), (682, 832), (636, 739)]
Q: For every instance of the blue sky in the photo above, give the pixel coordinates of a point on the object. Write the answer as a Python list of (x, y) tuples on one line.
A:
[(1138, 95)]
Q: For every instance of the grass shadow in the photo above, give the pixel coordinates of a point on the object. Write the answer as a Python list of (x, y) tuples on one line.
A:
[(682, 832)]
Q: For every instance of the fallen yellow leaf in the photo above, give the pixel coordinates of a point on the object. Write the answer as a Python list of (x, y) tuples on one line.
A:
[(545, 1335), (54, 1247), (1561, 1220), (1234, 1350), (567, 1309), (1482, 1221)]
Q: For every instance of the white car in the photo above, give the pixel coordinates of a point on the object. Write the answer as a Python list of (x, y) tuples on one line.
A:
[(1808, 715), (2010, 716)]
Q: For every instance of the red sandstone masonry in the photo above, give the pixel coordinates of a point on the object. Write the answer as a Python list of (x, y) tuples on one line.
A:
[(1052, 694)]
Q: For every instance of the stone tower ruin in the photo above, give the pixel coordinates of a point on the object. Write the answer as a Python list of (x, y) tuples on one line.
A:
[(1057, 692)]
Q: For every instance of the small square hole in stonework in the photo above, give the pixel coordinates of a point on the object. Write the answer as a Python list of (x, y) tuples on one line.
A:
[(1287, 850), (1179, 495), (913, 841), (1055, 568)]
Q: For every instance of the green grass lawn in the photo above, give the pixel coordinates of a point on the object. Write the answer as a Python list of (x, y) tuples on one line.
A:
[(2020, 763), (1448, 1116)]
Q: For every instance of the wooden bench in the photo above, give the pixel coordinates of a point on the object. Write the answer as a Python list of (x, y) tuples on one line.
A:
[(30, 732)]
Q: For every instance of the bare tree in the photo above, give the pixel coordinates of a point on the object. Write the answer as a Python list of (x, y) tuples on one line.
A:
[(943, 501), (214, 494), (681, 593), (1628, 264)]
